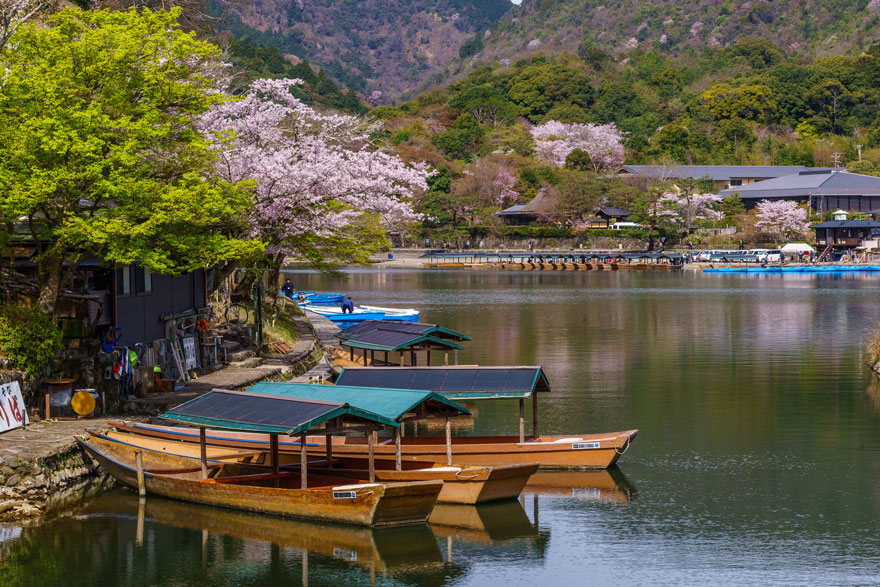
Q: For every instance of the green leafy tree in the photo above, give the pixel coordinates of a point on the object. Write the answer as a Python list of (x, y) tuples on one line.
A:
[(732, 205), (29, 337), (99, 154)]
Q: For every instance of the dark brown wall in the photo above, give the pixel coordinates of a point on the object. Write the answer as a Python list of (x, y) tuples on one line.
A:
[(138, 313)]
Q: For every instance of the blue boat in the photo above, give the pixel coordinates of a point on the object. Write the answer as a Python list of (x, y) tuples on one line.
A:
[(336, 315), (313, 297)]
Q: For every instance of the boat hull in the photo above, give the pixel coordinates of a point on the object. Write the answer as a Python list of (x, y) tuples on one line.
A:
[(359, 504), (582, 451), (462, 485)]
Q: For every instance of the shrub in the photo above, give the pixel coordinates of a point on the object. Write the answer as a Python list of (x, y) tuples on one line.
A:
[(28, 337), (536, 232)]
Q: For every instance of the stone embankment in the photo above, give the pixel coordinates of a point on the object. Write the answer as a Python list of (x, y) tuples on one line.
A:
[(39, 464)]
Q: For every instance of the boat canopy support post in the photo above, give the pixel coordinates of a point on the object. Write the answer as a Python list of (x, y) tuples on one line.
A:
[(522, 420), (139, 461), (203, 445), (448, 442), (303, 463), (273, 452), (328, 442), (535, 414), (371, 441), (397, 432)]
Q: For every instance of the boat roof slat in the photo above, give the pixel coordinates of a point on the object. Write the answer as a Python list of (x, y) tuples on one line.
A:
[(273, 414), (391, 404), (459, 383)]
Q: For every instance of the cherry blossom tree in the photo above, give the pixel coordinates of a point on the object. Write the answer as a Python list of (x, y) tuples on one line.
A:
[(782, 218), (317, 180), (602, 142), (503, 183), (684, 210)]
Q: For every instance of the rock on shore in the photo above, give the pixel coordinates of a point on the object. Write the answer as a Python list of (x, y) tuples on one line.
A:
[(27, 486)]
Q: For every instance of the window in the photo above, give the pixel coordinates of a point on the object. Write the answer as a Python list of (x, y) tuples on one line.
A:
[(143, 281), (123, 281), (735, 182)]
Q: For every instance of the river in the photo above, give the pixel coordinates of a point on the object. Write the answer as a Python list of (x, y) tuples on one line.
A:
[(758, 460)]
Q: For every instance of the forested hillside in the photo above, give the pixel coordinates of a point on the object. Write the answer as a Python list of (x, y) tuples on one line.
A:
[(504, 132), (808, 27), (381, 48)]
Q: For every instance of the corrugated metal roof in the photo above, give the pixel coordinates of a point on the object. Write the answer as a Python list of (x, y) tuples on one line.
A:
[(382, 339), (388, 403), (411, 327), (800, 185), (462, 383), (252, 412)]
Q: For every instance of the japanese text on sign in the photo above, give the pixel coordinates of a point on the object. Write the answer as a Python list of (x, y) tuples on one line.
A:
[(12, 411)]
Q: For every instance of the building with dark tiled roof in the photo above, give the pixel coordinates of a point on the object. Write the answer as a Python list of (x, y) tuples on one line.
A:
[(822, 190), (724, 176)]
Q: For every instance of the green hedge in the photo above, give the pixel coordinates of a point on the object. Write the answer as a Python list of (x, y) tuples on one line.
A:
[(626, 233), (536, 232)]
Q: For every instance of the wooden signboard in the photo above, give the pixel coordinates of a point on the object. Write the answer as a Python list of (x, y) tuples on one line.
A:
[(12, 411)]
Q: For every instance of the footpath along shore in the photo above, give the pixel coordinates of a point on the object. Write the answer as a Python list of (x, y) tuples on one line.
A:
[(42, 466)]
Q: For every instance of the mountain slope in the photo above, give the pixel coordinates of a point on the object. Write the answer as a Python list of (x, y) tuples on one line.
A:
[(618, 26), (381, 48)]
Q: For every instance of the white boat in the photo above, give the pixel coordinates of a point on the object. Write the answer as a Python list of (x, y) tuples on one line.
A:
[(405, 315)]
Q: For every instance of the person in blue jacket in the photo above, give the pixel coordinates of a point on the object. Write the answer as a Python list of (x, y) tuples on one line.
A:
[(287, 289), (347, 305)]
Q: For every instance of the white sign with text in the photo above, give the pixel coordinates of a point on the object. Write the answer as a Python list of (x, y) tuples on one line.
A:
[(12, 411)]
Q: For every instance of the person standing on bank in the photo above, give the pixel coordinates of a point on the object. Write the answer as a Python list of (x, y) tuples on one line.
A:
[(287, 288), (347, 305)]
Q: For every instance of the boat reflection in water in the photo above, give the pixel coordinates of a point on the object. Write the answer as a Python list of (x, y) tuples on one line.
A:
[(502, 526), (609, 485), (409, 553)]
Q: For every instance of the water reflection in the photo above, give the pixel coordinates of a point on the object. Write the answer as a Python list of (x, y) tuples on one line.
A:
[(609, 486)]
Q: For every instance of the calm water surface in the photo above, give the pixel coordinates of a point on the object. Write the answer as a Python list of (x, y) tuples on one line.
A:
[(758, 460)]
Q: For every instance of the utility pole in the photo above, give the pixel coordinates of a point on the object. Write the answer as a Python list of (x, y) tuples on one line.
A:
[(835, 158), (859, 149)]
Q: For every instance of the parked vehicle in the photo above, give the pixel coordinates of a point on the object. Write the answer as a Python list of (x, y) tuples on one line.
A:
[(774, 256)]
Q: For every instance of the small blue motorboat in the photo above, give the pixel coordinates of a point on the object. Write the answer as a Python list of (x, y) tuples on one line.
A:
[(335, 314)]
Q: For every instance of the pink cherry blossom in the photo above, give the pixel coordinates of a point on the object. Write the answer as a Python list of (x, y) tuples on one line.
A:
[(781, 217), (602, 142), (685, 210), (312, 173)]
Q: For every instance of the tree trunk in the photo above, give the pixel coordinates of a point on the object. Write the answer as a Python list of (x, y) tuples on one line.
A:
[(50, 266)]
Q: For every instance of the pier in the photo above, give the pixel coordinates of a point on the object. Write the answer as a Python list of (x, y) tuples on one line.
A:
[(556, 261)]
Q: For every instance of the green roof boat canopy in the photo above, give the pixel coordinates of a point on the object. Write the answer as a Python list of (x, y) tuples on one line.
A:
[(387, 403), (459, 383), (272, 414), (393, 340), (409, 327)]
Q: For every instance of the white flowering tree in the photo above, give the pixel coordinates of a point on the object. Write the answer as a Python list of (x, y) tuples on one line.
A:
[(320, 189), (782, 218), (603, 143), (685, 210)]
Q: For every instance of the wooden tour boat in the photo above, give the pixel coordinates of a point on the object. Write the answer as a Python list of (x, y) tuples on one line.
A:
[(461, 485), (275, 491), (599, 451)]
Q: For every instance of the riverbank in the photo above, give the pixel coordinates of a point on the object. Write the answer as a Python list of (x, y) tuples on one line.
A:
[(41, 464)]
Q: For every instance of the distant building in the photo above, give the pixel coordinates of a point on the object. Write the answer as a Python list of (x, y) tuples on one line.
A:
[(542, 205), (822, 190), (606, 216), (724, 176), (842, 234)]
